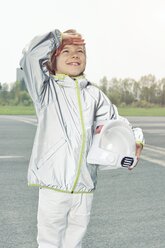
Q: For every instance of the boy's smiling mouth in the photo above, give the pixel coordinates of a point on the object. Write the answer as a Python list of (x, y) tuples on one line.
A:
[(73, 63)]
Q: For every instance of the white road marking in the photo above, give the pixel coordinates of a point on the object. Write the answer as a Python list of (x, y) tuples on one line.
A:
[(22, 119), (155, 149), (7, 157), (155, 161), (152, 152), (152, 131), (147, 124)]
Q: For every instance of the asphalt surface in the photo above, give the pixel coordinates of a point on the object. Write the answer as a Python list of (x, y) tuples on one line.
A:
[(128, 209)]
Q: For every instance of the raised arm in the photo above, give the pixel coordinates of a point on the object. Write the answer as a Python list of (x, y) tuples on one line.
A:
[(33, 69), (35, 55)]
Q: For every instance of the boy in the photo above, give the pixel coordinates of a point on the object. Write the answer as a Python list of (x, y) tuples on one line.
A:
[(67, 107)]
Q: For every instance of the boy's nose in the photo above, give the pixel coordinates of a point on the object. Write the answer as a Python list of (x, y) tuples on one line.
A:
[(75, 55)]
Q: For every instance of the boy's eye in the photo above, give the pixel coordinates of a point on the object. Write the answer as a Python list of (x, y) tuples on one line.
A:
[(81, 51), (68, 51), (65, 51)]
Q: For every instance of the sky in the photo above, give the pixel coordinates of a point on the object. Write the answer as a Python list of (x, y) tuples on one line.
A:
[(124, 38)]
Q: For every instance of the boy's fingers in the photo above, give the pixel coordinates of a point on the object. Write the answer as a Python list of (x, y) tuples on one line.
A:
[(138, 150), (71, 36), (77, 39), (137, 154), (98, 129)]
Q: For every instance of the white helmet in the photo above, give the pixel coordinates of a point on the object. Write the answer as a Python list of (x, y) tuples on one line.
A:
[(114, 147)]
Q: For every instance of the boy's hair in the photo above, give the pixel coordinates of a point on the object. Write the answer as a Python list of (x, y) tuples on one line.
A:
[(51, 64)]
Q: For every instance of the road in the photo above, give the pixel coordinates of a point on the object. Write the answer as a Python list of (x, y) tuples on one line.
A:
[(128, 209)]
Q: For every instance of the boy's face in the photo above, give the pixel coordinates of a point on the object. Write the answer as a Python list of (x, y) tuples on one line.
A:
[(71, 60)]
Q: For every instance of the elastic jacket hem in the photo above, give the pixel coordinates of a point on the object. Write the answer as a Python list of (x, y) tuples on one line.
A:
[(60, 190)]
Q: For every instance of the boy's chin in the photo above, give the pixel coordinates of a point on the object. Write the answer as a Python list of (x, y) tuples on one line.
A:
[(75, 75)]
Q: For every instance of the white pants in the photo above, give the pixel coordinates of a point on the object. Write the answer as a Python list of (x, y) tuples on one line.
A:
[(62, 218)]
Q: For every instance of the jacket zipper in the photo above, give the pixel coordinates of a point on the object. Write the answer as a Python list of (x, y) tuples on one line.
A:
[(83, 137)]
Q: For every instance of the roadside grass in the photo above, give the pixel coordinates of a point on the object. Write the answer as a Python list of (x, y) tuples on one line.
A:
[(124, 111), (128, 111), (17, 110)]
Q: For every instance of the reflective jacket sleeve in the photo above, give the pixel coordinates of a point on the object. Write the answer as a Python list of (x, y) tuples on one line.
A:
[(35, 55), (105, 110)]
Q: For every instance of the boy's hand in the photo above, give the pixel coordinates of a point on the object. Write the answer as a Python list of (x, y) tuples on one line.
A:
[(139, 148), (73, 37), (98, 129)]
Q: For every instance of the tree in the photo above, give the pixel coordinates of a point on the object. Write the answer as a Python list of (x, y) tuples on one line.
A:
[(24, 98), (4, 94), (104, 85), (162, 92), (15, 94)]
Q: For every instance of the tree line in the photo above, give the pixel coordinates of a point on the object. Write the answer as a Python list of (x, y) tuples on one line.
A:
[(14, 94), (146, 92)]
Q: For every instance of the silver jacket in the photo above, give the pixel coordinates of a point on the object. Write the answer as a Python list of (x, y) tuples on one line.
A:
[(67, 110)]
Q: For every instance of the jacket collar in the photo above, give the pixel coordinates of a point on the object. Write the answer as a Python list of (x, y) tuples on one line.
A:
[(66, 81)]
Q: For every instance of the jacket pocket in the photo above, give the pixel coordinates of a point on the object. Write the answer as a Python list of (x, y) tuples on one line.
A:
[(51, 152)]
